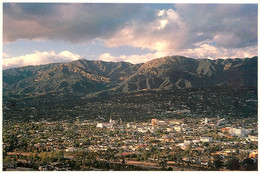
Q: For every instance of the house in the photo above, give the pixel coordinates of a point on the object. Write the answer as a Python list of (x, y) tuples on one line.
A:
[(177, 128), (23, 169), (226, 129), (154, 122), (100, 125), (204, 162), (195, 141), (71, 149), (253, 138), (175, 122), (199, 149), (142, 130), (253, 154), (184, 145), (162, 123), (169, 129), (107, 125), (45, 168)]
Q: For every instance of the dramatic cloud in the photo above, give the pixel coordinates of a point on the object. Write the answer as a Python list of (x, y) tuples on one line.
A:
[(232, 26), (209, 51), (135, 59), (5, 55), (38, 58), (203, 51), (193, 30), (70, 22), (136, 25), (166, 32), (226, 26)]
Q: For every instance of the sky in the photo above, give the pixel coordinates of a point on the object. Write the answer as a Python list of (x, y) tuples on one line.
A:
[(43, 33)]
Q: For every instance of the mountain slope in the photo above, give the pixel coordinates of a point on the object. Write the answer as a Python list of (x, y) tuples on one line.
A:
[(78, 77), (83, 77), (181, 72)]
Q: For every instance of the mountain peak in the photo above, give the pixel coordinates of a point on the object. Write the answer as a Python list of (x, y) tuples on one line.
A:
[(86, 76)]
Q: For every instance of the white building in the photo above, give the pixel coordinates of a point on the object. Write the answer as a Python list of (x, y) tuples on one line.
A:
[(195, 141), (182, 111), (170, 135), (142, 130), (174, 122), (253, 138), (71, 149), (112, 121), (206, 121), (206, 139), (177, 128), (162, 123), (241, 132), (184, 127), (100, 125), (169, 129), (107, 125)]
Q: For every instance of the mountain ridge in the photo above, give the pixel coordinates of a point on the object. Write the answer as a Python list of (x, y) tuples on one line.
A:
[(83, 77)]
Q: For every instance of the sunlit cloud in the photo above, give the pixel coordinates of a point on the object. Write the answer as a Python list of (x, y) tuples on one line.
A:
[(210, 51), (192, 30), (39, 58), (135, 59), (204, 51), (166, 32), (5, 55)]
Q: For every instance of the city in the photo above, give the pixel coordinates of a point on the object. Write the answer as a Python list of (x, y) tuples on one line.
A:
[(130, 86), (172, 144)]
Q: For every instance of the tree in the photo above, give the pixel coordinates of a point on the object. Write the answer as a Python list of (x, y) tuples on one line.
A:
[(177, 157), (35, 156), (233, 164), (243, 155), (248, 164), (86, 142), (217, 162), (145, 155), (71, 163), (80, 157), (170, 169), (52, 156), (205, 144), (123, 160), (60, 155), (163, 163), (76, 143), (7, 160), (237, 151), (30, 157), (44, 157)]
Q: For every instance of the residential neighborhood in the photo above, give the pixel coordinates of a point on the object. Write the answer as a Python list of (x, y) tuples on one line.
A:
[(123, 86), (158, 144)]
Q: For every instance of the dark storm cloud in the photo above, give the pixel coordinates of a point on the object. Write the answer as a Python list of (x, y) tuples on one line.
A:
[(37, 9)]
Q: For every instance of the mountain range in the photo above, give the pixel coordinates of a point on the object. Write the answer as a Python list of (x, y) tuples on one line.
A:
[(84, 77)]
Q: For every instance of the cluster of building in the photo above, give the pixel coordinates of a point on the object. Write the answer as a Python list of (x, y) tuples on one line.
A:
[(191, 133), (198, 135)]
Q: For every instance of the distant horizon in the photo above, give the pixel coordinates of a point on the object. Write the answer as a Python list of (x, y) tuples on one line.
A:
[(43, 33)]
